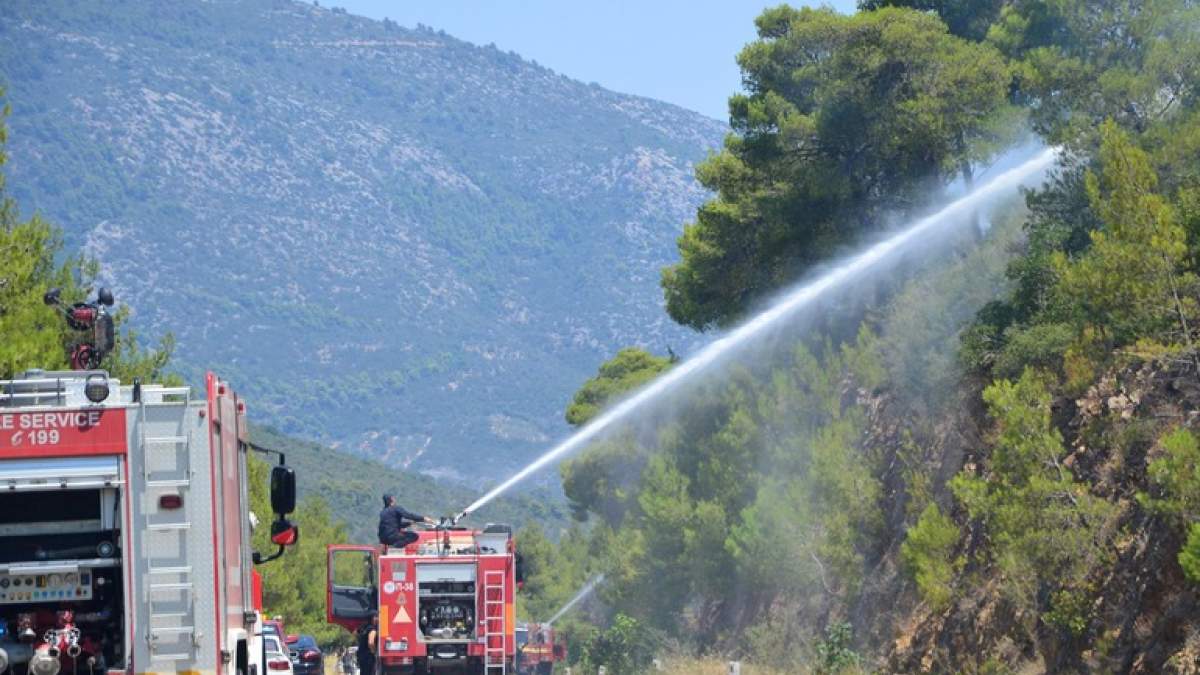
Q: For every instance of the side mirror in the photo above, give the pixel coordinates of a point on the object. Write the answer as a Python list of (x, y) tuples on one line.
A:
[(105, 297), (284, 533), (51, 296), (519, 564), (283, 490)]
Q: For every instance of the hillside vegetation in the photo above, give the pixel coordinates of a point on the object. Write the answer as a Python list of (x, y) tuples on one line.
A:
[(988, 464), (392, 240)]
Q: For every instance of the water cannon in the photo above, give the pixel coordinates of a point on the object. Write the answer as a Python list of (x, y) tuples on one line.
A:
[(455, 519), (93, 321)]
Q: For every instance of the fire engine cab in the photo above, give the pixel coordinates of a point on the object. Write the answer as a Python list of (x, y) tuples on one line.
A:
[(125, 528), (539, 647), (442, 603)]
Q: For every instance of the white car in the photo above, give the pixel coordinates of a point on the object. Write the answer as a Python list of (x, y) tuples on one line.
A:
[(279, 662)]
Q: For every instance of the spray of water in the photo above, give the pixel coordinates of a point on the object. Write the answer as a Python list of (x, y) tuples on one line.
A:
[(583, 593), (777, 313)]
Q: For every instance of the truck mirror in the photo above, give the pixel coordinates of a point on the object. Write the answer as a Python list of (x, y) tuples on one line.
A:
[(284, 533), (283, 490), (519, 564)]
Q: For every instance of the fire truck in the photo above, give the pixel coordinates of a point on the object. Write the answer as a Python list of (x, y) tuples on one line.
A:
[(442, 603), (539, 647), (125, 528)]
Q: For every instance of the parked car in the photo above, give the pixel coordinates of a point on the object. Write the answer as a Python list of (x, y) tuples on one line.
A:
[(277, 658), (306, 655)]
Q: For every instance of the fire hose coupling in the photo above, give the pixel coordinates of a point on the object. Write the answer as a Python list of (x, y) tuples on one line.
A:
[(44, 663)]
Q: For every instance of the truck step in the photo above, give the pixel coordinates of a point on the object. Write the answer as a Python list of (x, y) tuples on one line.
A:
[(174, 482), (164, 616), (171, 630), (166, 440), (181, 586), (161, 527), (170, 657), (169, 570)]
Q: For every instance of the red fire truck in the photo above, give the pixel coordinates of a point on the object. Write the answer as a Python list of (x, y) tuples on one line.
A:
[(125, 528), (444, 602), (539, 647)]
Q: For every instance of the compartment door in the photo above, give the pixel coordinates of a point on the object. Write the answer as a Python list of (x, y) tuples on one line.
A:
[(352, 593)]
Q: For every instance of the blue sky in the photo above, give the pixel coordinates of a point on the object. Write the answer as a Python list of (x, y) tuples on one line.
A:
[(680, 51)]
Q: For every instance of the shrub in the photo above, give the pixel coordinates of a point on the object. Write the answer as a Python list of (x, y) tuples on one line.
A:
[(928, 551)]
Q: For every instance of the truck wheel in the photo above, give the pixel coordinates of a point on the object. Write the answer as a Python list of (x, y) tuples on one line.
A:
[(545, 668)]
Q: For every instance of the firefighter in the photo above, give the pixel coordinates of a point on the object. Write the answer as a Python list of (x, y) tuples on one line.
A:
[(365, 652), (394, 522)]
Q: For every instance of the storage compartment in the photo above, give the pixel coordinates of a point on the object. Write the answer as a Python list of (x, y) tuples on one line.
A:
[(446, 599), (62, 593)]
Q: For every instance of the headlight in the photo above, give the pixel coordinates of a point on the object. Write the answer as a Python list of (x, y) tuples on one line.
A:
[(96, 388)]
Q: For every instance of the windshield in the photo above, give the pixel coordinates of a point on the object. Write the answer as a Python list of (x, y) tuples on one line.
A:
[(273, 645)]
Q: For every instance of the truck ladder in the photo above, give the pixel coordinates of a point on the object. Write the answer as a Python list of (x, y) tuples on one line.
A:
[(494, 623), (170, 593)]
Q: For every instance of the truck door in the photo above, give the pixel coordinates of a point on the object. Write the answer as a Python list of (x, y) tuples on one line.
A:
[(352, 594)]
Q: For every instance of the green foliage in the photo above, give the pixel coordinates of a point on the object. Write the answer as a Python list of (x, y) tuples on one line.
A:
[(626, 646), (1072, 610), (1131, 283), (835, 654), (601, 480), (1083, 62), (1128, 283), (1189, 555), (1038, 346), (846, 118), (1045, 527), (928, 552), (969, 19), (1175, 475), (628, 370)]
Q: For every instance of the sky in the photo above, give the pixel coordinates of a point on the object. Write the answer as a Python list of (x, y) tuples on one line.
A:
[(679, 51)]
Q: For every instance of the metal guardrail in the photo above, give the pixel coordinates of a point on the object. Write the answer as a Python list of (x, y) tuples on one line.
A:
[(33, 391)]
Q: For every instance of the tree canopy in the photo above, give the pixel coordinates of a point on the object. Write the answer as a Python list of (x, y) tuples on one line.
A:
[(845, 119)]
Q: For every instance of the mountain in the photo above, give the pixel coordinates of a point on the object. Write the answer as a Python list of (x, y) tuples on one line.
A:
[(394, 241)]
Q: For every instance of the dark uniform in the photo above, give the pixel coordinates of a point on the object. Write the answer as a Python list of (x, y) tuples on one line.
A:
[(366, 649), (393, 525)]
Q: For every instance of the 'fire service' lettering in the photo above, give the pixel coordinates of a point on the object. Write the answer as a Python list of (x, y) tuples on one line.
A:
[(62, 432), (50, 420)]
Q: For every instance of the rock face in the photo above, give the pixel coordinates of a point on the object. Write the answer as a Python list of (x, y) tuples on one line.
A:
[(391, 239), (1146, 617)]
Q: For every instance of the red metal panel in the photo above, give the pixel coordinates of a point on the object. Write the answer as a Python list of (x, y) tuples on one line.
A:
[(214, 440), (398, 607), (63, 433), (231, 508), (256, 591)]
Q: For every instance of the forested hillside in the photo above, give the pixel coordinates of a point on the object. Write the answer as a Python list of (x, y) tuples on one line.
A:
[(392, 240), (984, 463)]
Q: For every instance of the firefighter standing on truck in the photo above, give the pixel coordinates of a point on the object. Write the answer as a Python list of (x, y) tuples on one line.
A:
[(394, 522)]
